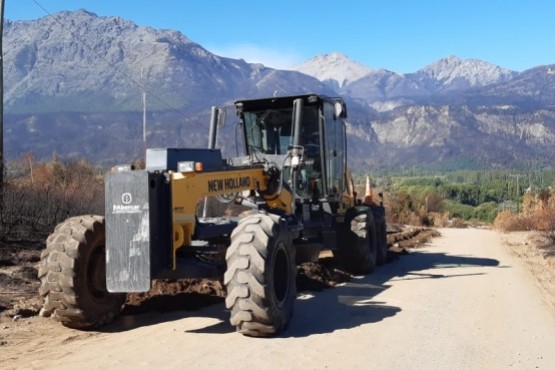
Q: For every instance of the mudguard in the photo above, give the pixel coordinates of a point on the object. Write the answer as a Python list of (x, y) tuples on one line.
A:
[(138, 229)]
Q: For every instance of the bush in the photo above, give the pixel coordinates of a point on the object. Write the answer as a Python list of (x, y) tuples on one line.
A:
[(509, 221), (38, 196), (458, 210), (486, 211), (543, 219)]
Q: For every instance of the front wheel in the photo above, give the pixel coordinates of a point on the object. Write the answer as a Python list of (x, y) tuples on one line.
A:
[(72, 272), (261, 276)]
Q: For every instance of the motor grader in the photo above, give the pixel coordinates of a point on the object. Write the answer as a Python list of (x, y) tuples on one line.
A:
[(290, 172)]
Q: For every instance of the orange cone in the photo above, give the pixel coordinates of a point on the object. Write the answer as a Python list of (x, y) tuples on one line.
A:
[(368, 196)]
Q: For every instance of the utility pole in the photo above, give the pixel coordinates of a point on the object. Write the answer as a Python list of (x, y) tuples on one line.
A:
[(1, 104), (144, 105), (517, 176)]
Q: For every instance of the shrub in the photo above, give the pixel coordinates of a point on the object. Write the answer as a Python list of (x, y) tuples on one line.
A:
[(509, 221), (38, 196), (543, 219), (486, 211), (458, 210)]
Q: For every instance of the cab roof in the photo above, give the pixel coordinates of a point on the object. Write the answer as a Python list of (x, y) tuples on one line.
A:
[(282, 102)]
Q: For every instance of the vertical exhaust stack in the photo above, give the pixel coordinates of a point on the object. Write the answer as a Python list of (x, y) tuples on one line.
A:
[(212, 135), (368, 194)]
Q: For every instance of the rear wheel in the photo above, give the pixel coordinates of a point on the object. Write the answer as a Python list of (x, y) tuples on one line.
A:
[(260, 276), (357, 250), (382, 243), (72, 272), (381, 234)]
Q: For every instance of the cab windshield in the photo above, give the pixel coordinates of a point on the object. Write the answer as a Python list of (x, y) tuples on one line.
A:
[(268, 131)]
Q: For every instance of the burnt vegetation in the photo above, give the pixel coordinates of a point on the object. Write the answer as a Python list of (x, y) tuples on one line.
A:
[(39, 195)]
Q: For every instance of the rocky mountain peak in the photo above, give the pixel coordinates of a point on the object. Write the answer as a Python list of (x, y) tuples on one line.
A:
[(453, 73), (102, 63), (335, 67)]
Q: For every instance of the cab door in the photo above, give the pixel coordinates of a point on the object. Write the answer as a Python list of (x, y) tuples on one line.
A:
[(335, 155)]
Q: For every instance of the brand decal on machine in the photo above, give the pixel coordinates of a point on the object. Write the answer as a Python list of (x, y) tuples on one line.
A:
[(119, 208), (231, 183), (126, 207), (126, 198)]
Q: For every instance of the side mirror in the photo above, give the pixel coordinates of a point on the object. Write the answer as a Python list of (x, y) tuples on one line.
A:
[(340, 110), (221, 117)]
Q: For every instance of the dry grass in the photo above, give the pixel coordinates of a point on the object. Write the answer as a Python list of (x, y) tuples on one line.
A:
[(508, 221), (541, 219)]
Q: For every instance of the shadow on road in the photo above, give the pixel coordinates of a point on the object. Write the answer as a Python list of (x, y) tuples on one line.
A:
[(317, 312), (355, 303), (214, 311)]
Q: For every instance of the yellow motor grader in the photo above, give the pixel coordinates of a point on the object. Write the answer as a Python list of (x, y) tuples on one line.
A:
[(290, 171)]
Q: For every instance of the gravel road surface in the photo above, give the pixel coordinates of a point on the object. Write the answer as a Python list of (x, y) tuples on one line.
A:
[(461, 302)]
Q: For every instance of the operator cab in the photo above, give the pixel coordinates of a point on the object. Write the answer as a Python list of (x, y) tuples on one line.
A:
[(270, 133)]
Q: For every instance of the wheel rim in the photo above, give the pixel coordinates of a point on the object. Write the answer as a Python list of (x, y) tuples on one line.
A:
[(281, 275)]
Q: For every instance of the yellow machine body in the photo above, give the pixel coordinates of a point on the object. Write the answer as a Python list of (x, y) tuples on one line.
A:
[(187, 189)]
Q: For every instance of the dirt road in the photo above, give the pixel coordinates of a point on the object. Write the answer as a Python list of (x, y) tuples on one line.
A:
[(462, 302)]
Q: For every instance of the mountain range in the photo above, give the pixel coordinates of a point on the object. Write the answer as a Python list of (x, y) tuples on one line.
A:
[(74, 82)]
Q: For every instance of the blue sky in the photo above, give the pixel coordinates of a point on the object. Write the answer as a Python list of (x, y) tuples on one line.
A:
[(402, 36)]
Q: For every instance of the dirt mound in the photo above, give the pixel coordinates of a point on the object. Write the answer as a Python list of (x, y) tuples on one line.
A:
[(173, 295), (411, 237), (315, 276), (193, 294)]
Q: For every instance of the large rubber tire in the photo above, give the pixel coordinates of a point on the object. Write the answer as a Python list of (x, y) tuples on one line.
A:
[(381, 239), (381, 234), (261, 276), (357, 251), (72, 272)]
